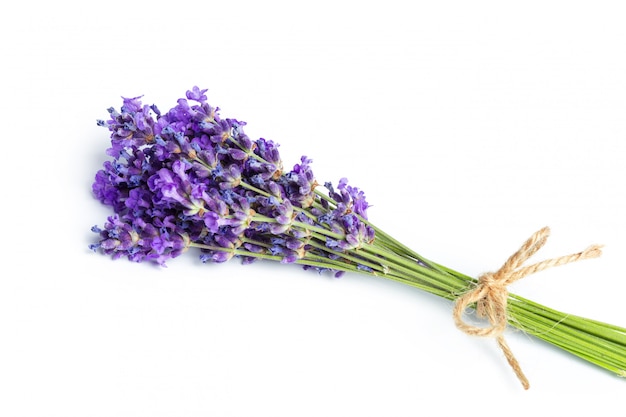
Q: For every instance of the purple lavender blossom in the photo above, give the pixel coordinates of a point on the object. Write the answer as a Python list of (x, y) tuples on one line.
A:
[(197, 94), (133, 126), (284, 216), (140, 241), (348, 198), (300, 183), (188, 177)]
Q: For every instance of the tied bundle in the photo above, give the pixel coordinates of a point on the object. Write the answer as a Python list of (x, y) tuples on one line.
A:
[(190, 179)]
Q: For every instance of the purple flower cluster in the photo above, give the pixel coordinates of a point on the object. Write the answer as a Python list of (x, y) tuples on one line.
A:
[(189, 178)]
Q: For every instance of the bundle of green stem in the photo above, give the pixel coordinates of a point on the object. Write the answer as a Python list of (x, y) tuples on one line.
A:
[(599, 343)]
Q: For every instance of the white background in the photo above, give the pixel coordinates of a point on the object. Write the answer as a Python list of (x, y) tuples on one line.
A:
[(469, 125)]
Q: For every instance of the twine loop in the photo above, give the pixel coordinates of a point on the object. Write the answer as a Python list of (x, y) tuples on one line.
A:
[(490, 294)]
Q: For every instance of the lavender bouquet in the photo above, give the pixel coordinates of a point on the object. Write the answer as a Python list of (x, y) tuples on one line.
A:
[(190, 179)]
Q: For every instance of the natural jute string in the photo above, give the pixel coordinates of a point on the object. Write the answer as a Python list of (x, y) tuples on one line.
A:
[(490, 293)]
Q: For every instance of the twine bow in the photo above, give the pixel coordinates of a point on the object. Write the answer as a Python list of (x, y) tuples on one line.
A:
[(490, 293)]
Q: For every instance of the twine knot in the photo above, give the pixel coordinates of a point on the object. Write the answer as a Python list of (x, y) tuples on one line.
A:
[(490, 294)]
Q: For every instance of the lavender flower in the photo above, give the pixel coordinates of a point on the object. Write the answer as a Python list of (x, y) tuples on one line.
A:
[(188, 178), (227, 194), (140, 241)]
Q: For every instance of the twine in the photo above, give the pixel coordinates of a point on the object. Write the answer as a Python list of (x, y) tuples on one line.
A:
[(490, 293)]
